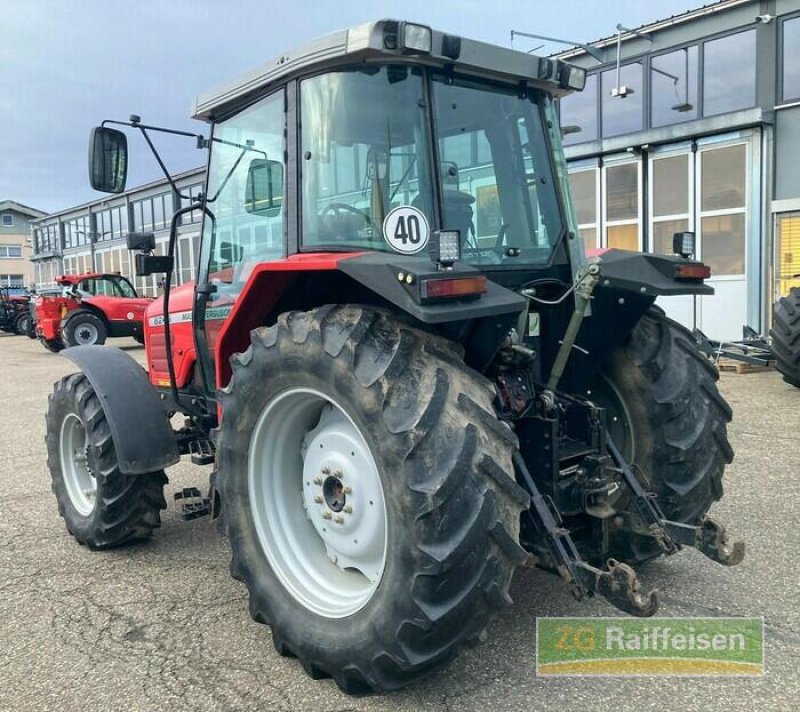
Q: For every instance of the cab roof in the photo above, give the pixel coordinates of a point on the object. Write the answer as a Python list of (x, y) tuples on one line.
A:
[(68, 279), (380, 40)]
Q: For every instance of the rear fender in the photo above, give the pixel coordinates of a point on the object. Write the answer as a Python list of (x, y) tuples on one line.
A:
[(142, 435)]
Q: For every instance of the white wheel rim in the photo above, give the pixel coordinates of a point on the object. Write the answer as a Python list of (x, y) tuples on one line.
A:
[(85, 334), (78, 478), (317, 502)]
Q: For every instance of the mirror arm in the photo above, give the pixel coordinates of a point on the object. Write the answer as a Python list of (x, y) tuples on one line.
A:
[(202, 142), (161, 163), (230, 173)]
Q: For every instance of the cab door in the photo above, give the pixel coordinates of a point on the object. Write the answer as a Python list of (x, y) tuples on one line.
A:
[(244, 224)]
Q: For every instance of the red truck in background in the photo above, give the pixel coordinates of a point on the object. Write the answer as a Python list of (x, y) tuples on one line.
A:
[(91, 308)]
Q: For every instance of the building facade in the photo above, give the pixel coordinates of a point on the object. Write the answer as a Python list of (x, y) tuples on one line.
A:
[(693, 123), (16, 270), (91, 237)]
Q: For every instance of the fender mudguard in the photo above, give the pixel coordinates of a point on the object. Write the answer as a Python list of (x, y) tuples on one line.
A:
[(142, 435)]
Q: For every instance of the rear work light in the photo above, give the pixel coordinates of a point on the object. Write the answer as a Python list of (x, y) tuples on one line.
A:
[(695, 270), (454, 287)]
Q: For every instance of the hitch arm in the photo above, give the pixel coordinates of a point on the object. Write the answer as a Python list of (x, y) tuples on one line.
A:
[(709, 537), (619, 584)]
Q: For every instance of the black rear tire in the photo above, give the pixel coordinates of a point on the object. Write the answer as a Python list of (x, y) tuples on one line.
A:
[(21, 324), (676, 422), (444, 460), (785, 335), (126, 508), (53, 345), (84, 328)]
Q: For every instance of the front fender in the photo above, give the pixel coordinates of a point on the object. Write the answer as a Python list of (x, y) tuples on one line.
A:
[(142, 435)]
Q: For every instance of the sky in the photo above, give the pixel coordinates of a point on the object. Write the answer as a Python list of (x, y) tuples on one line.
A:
[(65, 65)]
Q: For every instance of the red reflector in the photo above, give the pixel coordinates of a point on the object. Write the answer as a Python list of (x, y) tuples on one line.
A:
[(692, 271), (456, 287)]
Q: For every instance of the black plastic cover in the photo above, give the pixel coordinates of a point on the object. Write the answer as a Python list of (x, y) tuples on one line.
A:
[(142, 435), (647, 273), (380, 273)]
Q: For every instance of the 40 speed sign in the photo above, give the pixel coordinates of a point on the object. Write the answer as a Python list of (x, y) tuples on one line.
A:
[(406, 230)]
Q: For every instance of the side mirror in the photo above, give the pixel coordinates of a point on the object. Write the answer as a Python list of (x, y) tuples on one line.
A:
[(153, 264), (144, 241), (264, 194), (108, 160)]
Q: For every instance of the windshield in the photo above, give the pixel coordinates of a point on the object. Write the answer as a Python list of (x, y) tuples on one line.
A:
[(106, 287), (496, 181), (366, 154)]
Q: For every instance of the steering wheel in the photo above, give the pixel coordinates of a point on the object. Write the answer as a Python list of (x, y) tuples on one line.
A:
[(344, 207)]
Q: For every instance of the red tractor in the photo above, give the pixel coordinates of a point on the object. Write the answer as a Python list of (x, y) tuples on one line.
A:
[(14, 315), (90, 308), (408, 375)]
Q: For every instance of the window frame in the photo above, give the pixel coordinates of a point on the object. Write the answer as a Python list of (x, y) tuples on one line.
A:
[(606, 223), (13, 219), (691, 199), (779, 60), (700, 214), (699, 88)]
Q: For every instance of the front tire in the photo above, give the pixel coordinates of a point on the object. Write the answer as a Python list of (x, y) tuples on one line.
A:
[(101, 507), (785, 335), (52, 345), (666, 414), (426, 555), (83, 328), (21, 324)]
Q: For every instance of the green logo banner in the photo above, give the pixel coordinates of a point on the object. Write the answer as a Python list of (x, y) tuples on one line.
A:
[(649, 646)]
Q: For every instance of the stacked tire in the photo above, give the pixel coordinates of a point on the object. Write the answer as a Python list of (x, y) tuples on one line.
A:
[(786, 337)]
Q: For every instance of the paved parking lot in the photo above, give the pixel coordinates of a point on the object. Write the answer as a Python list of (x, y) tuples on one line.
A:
[(162, 626)]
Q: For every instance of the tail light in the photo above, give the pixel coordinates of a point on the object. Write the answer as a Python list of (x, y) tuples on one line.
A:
[(692, 270), (454, 287)]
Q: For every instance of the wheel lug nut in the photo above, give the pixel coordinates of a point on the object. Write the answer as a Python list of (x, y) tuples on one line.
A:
[(317, 480), (348, 509), (326, 470), (348, 490), (318, 499), (326, 515), (338, 473), (339, 519)]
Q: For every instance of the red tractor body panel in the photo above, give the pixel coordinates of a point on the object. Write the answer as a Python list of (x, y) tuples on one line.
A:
[(228, 323), (180, 304), (50, 311)]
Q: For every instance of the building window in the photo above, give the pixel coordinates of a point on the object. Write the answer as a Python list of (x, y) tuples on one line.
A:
[(787, 266), (622, 206), (583, 188), (673, 87), (15, 281), (8, 219), (622, 113), (10, 251), (723, 203), (670, 204), (790, 64), (579, 114), (729, 73), (194, 192)]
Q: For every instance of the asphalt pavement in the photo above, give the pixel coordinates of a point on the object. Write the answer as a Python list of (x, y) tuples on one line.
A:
[(162, 626)]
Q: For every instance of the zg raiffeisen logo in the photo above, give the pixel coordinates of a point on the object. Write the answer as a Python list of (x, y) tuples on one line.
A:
[(650, 646)]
